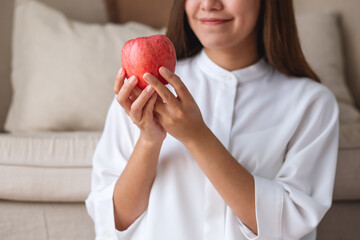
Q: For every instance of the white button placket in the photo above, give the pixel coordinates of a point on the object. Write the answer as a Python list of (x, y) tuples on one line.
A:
[(215, 207)]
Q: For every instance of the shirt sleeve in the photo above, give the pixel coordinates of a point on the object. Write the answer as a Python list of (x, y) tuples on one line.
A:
[(110, 157), (293, 203)]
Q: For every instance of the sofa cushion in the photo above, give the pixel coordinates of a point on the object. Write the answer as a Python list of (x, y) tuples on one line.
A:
[(350, 136), (44, 221), (46, 166), (82, 10), (63, 71), (347, 179), (341, 222), (48, 149), (348, 11), (348, 114), (320, 39)]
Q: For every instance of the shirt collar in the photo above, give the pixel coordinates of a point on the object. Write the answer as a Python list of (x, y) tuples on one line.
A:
[(255, 71)]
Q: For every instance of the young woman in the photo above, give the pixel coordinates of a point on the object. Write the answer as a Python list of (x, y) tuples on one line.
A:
[(243, 145)]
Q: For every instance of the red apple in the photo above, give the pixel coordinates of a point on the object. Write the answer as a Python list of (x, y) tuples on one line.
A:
[(148, 54)]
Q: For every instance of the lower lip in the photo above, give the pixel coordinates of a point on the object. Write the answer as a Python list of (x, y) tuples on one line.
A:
[(215, 22)]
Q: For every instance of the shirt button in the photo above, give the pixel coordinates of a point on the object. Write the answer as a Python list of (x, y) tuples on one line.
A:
[(229, 77)]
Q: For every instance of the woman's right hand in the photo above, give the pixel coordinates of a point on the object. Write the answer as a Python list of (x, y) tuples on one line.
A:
[(139, 105)]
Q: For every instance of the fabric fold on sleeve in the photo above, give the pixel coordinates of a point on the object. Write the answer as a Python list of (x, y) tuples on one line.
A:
[(268, 207), (109, 160), (128, 233), (292, 204), (100, 206)]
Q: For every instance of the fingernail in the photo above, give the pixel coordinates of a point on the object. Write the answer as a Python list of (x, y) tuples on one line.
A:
[(149, 89), (132, 80), (164, 70), (120, 72), (146, 77)]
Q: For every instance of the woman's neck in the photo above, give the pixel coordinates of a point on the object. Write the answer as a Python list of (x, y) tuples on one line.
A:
[(234, 58)]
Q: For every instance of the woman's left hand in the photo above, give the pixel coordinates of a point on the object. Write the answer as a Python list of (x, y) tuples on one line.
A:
[(178, 115)]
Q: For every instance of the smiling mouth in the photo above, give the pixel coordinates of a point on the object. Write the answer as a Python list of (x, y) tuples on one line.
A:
[(213, 21)]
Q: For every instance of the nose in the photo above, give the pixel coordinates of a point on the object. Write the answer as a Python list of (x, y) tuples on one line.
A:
[(211, 5)]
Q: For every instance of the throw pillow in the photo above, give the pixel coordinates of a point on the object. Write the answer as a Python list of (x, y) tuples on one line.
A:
[(320, 39), (63, 70)]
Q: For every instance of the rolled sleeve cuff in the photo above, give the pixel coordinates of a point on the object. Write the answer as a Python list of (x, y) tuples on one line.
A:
[(128, 233), (268, 207), (104, 217), (249, 234)]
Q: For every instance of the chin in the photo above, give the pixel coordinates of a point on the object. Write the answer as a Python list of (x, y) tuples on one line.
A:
[(215, 45), (212, 43), (217, 41)]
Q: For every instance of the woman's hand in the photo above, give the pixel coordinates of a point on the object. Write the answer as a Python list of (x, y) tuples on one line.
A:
[(139, 105), (180, 116)]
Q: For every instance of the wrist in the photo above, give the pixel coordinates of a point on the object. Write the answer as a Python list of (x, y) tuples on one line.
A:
[(201, 135), (150, 142)]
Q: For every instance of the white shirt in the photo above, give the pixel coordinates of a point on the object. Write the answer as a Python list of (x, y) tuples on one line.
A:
[(283, 130)]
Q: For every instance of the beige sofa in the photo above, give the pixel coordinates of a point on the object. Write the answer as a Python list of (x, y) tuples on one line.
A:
[(45, 175)]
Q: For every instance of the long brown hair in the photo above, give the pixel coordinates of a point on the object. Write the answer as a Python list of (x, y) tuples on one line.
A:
[(278, 40)]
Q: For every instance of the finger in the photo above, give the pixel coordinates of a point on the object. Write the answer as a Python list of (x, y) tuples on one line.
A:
[(160, 88), (159, 99), (158, 118), (135, 93), (137, 107), (149, 107), (119, 80), (124, 93), (160, 106), (180, 88)]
